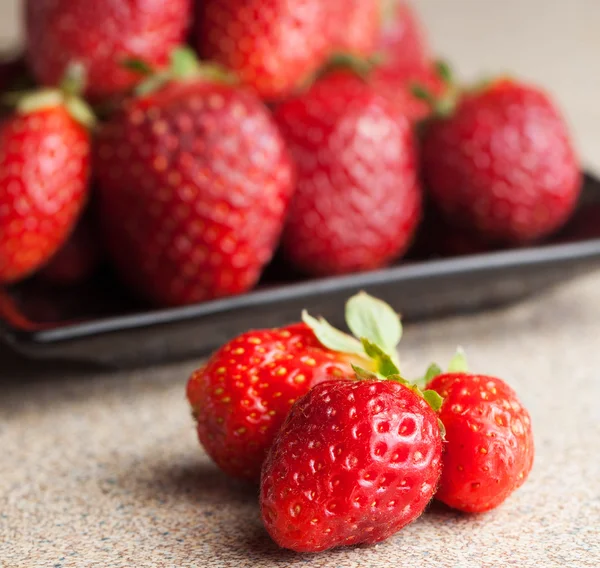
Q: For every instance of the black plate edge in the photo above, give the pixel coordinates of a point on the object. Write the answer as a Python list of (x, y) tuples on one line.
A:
[(562, 253)]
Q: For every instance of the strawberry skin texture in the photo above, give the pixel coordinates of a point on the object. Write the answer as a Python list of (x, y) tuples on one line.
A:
[(489, 446), (44, 171), (101, 35), (354, 462), (503, 164), (245, 391), (357, 200), (194, 184), (272, 45)]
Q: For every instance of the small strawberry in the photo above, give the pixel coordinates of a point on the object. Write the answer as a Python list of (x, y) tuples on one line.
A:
[(101, 35), (500, 162), (272, 45), (194, 182), (403, 43), (355, 461), (242, 395), (355, 26), (489, 441), (357, 200), (44, 171)]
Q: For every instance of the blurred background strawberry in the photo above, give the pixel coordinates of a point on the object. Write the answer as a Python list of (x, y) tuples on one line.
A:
[(325, 123)]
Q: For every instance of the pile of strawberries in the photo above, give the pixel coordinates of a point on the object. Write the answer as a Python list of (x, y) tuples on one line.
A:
[(308, 127), (348, 451)]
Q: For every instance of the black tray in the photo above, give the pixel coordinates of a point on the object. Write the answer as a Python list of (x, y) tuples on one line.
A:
[(100, 323)]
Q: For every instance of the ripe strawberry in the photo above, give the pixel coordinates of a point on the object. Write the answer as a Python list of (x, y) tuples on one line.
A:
[(101, 35), (272, 45), (44, 170), (489, 450), (354, 462), (355, 26), (242, 395), (357, 200), (501, 163), (402, 42), (398, 89), (194, 182), (79, 257)]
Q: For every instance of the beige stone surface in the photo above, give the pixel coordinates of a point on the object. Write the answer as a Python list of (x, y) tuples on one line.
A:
[(103, 470)]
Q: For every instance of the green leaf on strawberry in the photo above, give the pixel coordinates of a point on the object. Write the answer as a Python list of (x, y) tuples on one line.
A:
[(458, 363), (376, 327), (331, 337), (383, 361), (374, 320)]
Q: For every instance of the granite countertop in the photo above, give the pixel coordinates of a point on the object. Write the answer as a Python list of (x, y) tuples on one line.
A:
[(103, 470)]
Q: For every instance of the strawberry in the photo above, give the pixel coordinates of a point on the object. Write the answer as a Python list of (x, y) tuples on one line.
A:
[(242, 395), (398, 89), (194, 182), (489, 441), (354, 462), (357, 200), (402, 41), (272, 45), (355, 26), (101, 35), (44, 171), (79, 257), (499, 162), (405, 60)]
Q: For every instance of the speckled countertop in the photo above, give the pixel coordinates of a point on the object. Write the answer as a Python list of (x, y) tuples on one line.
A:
[(103, 470)]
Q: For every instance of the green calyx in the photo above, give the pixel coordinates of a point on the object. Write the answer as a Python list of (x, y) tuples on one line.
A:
[(376, 327), (183, 65), (67, 94), (377, 332), (442, 106), (458, 364)]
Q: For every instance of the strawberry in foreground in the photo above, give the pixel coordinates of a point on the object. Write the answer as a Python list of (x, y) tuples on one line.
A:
[(355, 461), (489, 447), (101, 35), (499, 162), (358, 200), (44, 171), (272, 45), (242, 395), (194, 182)]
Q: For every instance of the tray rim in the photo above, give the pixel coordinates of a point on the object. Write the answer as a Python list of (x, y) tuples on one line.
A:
[(544, 253), (534, 255)]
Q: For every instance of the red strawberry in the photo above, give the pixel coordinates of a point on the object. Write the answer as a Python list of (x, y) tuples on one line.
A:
[(194, 182), (357, 200), (402, 41), (354, 462), (44, 170), (101, 35), (398, 89), (78, 258), (355, 26), (489, 442), (242, 395), (502, 164), (272, 45)]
